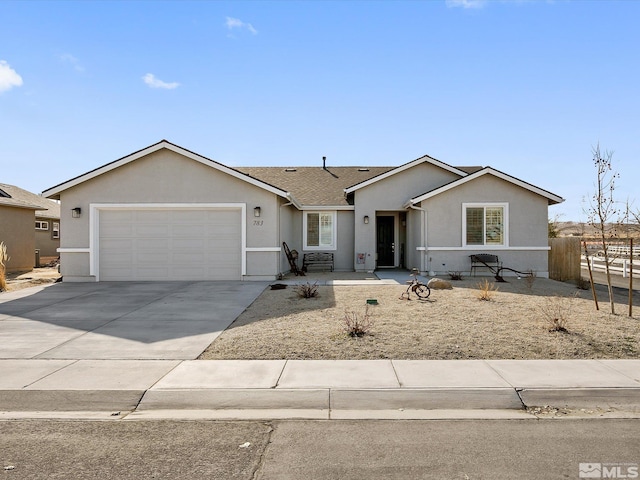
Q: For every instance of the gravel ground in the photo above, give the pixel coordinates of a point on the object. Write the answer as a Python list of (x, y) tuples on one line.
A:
[(451, 324)]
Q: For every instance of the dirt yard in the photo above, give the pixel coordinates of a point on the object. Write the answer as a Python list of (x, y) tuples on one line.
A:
[(451, 324), (37, 276)]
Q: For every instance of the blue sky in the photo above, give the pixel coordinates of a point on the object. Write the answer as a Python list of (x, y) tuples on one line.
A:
[(527, 87)]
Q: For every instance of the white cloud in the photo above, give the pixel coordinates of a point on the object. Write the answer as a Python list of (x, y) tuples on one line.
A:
[(70, 59), (9, 78), (466, 3), (153, 82), (232, 23)]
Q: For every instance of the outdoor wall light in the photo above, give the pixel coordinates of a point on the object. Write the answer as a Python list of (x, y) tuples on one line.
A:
[(256, 212), (366, 219), (75, 212)]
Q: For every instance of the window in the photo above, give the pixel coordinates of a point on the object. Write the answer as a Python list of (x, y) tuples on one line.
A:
[(55, 230), (319, 230), (485, 224), (40, 225)]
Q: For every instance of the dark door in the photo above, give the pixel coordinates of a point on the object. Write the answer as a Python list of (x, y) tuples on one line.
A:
[(385, 237)]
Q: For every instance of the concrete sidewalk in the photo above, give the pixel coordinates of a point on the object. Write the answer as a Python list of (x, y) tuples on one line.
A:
[(311, 388)]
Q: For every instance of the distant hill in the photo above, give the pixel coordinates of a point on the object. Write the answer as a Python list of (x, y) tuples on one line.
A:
[(583, 229)]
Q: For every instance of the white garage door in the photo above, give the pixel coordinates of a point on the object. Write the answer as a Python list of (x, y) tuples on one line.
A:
[(175, 244)]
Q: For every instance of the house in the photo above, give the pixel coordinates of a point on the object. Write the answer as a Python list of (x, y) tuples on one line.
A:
[(27, 222), (167, 213)]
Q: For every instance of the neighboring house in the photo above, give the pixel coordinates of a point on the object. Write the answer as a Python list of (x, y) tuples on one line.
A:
[(166, 213), (27, 222)]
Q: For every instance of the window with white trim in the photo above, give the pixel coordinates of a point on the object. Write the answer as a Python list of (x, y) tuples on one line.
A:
[(319, 230), (485, 224), (55, 230), (40, 225)]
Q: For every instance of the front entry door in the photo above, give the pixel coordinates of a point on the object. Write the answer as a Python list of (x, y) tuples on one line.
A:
[(385, 237)]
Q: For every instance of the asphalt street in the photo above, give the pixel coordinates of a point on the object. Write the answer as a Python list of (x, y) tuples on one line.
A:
[(345, 450)]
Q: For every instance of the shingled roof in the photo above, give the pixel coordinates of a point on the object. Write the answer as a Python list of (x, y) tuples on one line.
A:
[(17, 197), (314, 185), (317, 186)]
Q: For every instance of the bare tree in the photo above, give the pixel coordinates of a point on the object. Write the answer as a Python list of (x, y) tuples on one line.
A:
[(603, 209)]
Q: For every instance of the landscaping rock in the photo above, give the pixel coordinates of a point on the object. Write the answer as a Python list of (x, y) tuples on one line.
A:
[(439, 284)]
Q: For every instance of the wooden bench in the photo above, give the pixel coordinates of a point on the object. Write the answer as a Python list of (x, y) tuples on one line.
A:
[(317, 259), (484, 260)]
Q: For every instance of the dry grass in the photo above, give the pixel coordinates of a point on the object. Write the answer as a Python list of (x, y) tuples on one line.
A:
[(486, 290), (452, 324)]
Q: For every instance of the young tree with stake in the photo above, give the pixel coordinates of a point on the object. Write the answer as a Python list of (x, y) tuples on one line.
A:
[(603, 210)]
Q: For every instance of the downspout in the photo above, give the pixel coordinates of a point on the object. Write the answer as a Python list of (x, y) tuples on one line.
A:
[(423, 236)]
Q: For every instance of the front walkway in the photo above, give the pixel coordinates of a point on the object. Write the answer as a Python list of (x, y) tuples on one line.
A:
[(390, 276)]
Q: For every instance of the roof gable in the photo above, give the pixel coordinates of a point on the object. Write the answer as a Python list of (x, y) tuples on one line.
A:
[(54, 192), (552, 198), (402, 168)]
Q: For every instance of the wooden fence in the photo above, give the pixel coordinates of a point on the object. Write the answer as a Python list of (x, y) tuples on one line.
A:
[(564, 258)]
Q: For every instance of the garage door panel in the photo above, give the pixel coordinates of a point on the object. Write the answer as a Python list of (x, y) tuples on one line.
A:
[(188, 231), (116, 230), (119, 217), (199, 244), (117, 272), (189, 243), (191, 216), (155, 244), (151, 216), (151, 230), (114, 245), (218, 230)]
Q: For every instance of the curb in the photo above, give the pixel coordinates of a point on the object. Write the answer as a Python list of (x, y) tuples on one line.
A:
[(331, 400)]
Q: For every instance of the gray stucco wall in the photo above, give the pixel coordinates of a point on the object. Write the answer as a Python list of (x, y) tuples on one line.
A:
[(343, 255), (390, 195), (415, 239), (45, 242), (527, 226), (287, 219), (17, 233), (165, 177)]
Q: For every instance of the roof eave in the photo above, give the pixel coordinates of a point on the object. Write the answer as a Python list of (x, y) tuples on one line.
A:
[(552, 198), (26, 206)]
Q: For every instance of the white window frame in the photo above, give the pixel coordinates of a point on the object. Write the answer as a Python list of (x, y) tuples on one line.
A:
[(334, 233), (505, 228), (55, 230), (42, 225)]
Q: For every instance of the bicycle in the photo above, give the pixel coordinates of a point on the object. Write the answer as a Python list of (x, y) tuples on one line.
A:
[(417, 287)]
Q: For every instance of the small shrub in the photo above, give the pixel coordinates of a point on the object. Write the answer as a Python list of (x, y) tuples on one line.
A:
[(557, 311), (307, 290), (530, 279), (583, 284), (356, 326), (455, 275), (486, 290), (4, 258)]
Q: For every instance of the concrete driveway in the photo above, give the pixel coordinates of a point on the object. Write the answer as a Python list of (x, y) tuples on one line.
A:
[(120, 320)]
